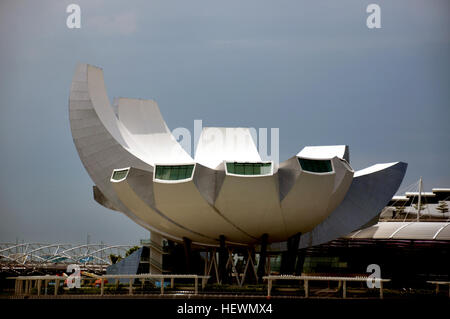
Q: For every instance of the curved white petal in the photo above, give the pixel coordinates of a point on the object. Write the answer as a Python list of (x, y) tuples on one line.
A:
[(183, 203), (147, 128), (252, 202), (102, 142), (136, 191), (369, 193), (325, 152), (308, 197), (218, 144), (99, 150)]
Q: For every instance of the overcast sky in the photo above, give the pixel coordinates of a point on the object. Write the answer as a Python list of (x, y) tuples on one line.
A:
[(311, 68)]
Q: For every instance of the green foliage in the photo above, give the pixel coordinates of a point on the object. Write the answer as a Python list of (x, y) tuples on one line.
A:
[(442, 207), (422, 206), (398, 210), (114, 258), (131, 250)]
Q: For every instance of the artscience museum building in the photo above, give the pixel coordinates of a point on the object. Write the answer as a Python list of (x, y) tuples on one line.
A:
[(226, 192)]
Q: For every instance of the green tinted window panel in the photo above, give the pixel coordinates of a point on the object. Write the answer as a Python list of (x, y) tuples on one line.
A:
[(189, 170), (316, 166), (173, 175), (173, 172), (182, 173), (249, 168), (164, 173), (119, 175)]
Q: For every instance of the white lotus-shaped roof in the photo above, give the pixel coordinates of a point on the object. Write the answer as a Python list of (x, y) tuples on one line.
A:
[(141, 170)]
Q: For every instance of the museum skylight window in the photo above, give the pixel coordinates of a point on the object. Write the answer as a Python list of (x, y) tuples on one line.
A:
[(316, 166), (119, 175), (240, 168), (173, 172)]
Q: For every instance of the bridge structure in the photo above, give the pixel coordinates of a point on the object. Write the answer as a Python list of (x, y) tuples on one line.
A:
[(28, 258)]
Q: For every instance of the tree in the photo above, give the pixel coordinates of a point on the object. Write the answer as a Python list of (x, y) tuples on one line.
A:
[(114, 258), (131, 250), (422, 207), (398, 211), (442, 207)]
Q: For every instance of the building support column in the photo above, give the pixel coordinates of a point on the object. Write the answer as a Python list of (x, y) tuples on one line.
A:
[(187, 253), (249, 269), (252, 255), (156, 255), (301, 254), (211, 262), (290, 256), (223, 259), (171, 256), (262, 257)]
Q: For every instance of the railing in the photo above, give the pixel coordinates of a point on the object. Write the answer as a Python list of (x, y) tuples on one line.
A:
[(153, 262), (439, 283), (25, 284), (32, 255), (154, 245), (307, 279)]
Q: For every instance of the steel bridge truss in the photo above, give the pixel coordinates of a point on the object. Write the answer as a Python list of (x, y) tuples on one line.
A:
[(26, 257)]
